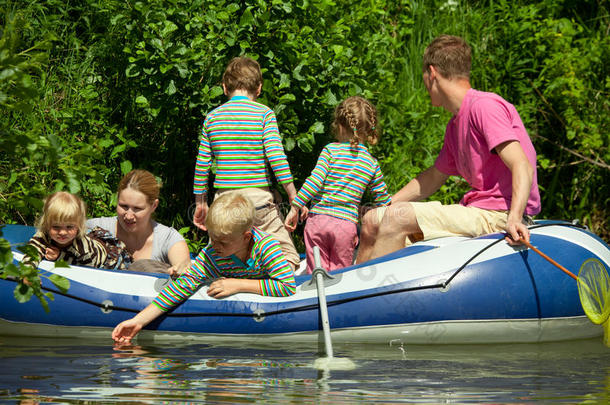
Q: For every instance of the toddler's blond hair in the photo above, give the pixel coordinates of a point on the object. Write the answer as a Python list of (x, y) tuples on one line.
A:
[(62, 208)]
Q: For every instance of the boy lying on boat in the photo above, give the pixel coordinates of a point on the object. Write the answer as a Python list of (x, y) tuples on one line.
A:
[(239, 258)]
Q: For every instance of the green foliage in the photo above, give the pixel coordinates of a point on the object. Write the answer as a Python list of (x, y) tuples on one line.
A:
[(28, 279), (94, 88)]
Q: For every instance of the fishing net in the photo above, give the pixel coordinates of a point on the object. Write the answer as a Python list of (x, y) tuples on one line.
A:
[(594, 290)]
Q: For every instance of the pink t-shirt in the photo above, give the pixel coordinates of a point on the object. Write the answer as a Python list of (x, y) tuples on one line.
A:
[(486, 120)]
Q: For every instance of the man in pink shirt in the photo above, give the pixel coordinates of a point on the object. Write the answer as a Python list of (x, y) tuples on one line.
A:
[(485, 143)]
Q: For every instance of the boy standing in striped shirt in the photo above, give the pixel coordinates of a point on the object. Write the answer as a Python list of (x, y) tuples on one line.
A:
[(239, 258), (243, 137), (344, 170)]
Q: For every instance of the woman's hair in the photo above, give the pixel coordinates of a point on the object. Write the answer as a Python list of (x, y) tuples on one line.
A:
[(242, 73), (356, 121), (450, 55), (142, 181), (230, 214), (62, 208)]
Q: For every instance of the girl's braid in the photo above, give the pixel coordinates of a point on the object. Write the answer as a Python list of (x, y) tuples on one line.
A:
[(371, 115), (352, 121)]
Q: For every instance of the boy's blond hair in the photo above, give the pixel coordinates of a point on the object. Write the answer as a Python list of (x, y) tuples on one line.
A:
[(62, 208), (230, 214), (450, 55), (242, 73), (356, 121)]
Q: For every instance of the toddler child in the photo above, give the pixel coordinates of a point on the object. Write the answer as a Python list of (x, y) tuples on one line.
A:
[(239, 258), (344, 170), (61, 236), (242, 136)]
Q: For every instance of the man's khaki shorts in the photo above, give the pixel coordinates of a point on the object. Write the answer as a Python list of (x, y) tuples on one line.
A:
[(437, 220)]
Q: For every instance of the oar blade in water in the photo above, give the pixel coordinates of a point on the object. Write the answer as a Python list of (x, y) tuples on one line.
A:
[(334, 363)]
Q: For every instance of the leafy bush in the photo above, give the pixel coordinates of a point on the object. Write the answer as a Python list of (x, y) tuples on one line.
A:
[(116, 85)]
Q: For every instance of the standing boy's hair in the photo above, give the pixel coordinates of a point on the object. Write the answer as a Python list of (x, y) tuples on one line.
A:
[(450, 55), (358, 118), (230, 214), (62, 208), (242, 73), (142, 181)]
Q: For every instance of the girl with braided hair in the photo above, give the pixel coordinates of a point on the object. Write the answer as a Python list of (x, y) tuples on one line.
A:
[(345, 169)]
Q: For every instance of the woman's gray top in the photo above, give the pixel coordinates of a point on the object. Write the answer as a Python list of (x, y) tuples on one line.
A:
[(164, 237)]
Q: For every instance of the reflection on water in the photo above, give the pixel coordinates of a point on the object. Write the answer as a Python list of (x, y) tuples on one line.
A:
[(65, 371)]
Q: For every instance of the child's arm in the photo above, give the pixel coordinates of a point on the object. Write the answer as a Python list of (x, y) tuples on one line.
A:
[(228, 286), (38, 242), (184, 286), (200, 184), (313, 184), (274, 152), (51, 253), (291, 219), (172, 295), (378, 188), (273, 262), (127, 330)]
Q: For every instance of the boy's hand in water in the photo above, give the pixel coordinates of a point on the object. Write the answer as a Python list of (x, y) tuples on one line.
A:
[(126, 330)]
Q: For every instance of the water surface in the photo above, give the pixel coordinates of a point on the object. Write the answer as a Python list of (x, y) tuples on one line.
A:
[(35, 370)]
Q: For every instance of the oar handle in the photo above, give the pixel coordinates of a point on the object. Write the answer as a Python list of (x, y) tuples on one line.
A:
[(568, 272)]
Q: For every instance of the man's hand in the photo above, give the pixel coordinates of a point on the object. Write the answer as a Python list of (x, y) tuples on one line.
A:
[(516, 231)]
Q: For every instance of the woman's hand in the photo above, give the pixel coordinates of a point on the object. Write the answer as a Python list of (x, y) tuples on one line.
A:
[(177, 270)]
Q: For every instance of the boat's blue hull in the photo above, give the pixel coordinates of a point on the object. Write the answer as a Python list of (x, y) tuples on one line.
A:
[(421, 294)]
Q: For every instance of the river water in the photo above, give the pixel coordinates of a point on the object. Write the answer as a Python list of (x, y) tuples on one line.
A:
[(36, 370)]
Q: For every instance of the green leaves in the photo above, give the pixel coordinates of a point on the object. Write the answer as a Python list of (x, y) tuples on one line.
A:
[(95, 88)]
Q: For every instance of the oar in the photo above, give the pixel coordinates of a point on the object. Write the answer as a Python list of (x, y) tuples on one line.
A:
[(329, 362), (593, 289)]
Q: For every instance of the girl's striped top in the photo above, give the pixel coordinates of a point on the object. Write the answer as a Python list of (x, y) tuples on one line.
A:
[(339, 180), (242, 135), (266, 263)]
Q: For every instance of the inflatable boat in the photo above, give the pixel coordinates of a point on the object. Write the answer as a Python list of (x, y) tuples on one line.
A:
[(443, 291)]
